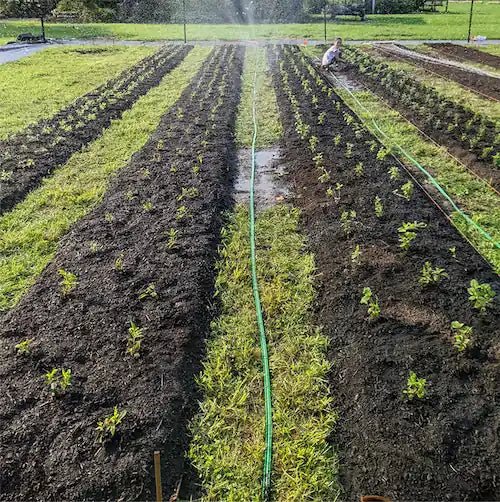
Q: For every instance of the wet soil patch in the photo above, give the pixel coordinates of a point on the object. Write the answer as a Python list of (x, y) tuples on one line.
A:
[(461, 53), (30, 155), (487, 87), (47, 446), (445, 445)]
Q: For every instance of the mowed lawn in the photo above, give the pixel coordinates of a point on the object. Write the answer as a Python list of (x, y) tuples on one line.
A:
[(452, 25)]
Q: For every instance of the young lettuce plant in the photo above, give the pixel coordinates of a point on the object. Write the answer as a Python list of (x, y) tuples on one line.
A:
[(481, 294), (68, 283), (23, 348), (407, 233), (415, 387), (58, 383), (406, 191), (429, 275), (393, 173), (461, 335), (371, 301)]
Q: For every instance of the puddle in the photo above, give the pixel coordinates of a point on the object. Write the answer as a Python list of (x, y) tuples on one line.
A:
[(270, 188)]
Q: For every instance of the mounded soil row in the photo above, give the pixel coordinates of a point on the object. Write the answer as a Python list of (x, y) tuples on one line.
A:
[(48, 448), (433, 122), (445, 445), (37, 151), (481, 84), (461, 53)]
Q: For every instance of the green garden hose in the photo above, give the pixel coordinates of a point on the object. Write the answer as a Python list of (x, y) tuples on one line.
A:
[(422, 169), (266, 476)]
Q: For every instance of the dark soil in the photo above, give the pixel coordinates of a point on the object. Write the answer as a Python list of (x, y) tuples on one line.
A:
[(37, 151), (48, 448), (445, 445), (461, 53), (483, 85)]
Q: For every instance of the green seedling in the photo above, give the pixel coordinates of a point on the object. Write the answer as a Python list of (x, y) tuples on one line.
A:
[(372, 302), (146, 173), (106, 428), (109, 217), (415, 387), (5, 175), (134, 340), (119, 262), (321, 118), (347, 219), (453, 252), (160, 145), (196, 169), (23, 348), (68, 283), (348, 152), (313, 142), (149, 292), (379, 207), (407, 233), (359, 170), (147, 205), (393, 173), (182, 212), (429, 275), (318, 160), (94, 246), (356, 256), (481, 294), (383, 153), (129, 195), (461, 335), (57, 383), (406, 191), (65, 379), (172, 238), (188, 193), (325, 177), (337, 139)]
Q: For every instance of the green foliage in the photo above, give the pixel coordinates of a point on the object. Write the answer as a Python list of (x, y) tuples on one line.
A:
[(481, 294), (68, 283), (406, 191), (347, 219), (172, 238), (149, 292), (23, 348), (359, 170), (379, 207), (407, 233), (106, 428), (119, 262), (372, 302), (58, 382), (356, 256), (429, 275), (461, 334), (134, 340), (415, 387), (393, 173)]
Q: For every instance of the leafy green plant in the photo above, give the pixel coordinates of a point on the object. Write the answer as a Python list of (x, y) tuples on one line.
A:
[(94, 246), (371, 301), (481, 294), (109, 217), (147, 205), (119, 262), (348, 151), (321, 118), (356, 255), (347, 218), (383, 153), (182, 212), (23, 348), (453, 252), (324, 177), (415, 387), (407, 233), (68, 283), (429, 275), (359, 170), (337, 139), (58, 382), (129, 195), (106, 428), (461, 335), (188, 193), (393, 173), (172, 238), (379, 207), (134, 340), (313, 142), (149, 292), (406, 191)]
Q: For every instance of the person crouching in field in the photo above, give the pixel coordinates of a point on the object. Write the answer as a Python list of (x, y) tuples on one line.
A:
[(332, 55)]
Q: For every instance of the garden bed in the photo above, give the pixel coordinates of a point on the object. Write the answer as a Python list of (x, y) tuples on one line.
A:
[(31, 154), (146, 255), (441, 446), (461, 53)]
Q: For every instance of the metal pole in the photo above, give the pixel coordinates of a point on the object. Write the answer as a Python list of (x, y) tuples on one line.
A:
[(470, 20), (373, 6), (185, 30), (324, 16), (446, 10), (43, 30)]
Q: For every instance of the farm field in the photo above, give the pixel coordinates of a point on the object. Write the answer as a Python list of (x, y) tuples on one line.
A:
[(135, 318), (433, 26)]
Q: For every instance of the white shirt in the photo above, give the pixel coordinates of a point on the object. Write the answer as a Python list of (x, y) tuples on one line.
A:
[(330, 54)]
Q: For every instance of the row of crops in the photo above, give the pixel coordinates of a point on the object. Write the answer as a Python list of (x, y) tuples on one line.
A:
[(128, 323)]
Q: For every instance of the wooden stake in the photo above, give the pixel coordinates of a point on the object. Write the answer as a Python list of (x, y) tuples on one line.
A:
[(159, 492)]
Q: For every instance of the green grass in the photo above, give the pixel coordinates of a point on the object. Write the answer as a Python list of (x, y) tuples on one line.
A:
[(30, 232), (228, 435), (472, 195), (269, 125), (451, 90), (492, 49), (40, 85), (453, 25)]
